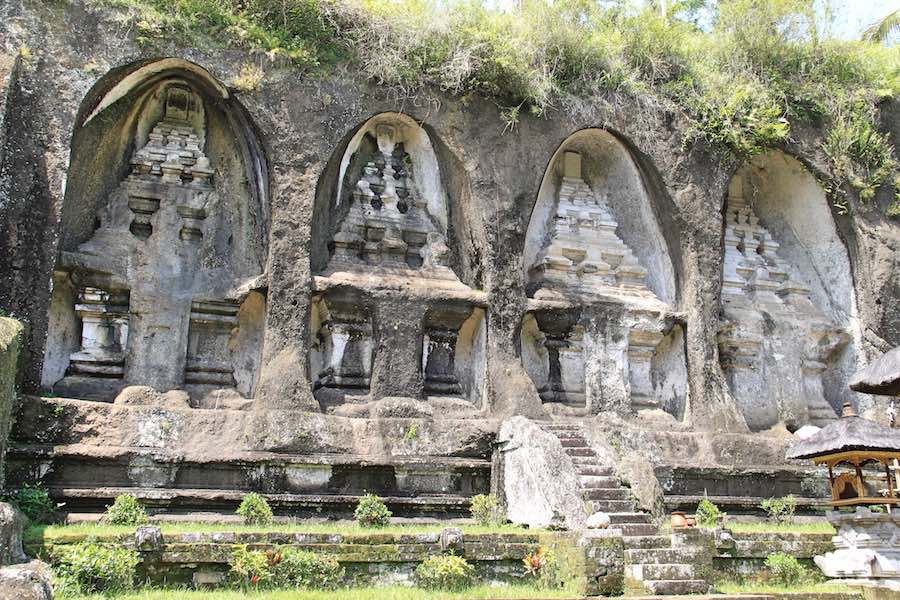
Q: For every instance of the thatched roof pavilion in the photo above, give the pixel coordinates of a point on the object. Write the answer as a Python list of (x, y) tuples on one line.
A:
[(882, 377), (854, 442)]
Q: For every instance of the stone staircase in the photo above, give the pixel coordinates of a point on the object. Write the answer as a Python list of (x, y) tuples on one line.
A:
[(652, 564)]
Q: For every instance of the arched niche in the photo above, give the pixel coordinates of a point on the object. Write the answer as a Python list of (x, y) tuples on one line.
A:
[(431, 230), (164, 232), (614, 179), (394, 313), (790, 332), (598, 336)]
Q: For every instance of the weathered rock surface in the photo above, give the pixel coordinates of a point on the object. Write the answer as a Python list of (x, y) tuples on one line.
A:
[(10, 347), (12, 524), (540, 486), (29, 581)]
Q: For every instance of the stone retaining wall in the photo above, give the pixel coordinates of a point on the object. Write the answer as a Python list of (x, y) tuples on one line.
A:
[(368, 559)]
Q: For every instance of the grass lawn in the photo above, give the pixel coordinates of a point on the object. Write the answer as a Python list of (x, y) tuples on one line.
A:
[(769, 588), (368, 593), (775, 527), (61, 532)]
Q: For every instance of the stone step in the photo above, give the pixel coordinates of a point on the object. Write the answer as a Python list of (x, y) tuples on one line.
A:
[(607, 493), (598, 481), (561, 426), (593, 469), (637, 529), (582, 452), (611, 506), (667, 572), (653, 556), (573, 442), (644, 542), (679, 587), (629, 517)]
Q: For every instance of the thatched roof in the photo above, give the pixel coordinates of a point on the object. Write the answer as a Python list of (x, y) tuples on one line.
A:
[(850, 432), (882, 377)]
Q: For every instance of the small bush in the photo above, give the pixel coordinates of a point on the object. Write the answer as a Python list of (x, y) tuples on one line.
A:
[(250, 567), (544, 568), (284, 568), (446, 573), (33, 501), (88, 568), (255, 510), (780, 509), (126, 510), (707, 513), (785, 569), (486, 510), (371, 512), (304, 569)]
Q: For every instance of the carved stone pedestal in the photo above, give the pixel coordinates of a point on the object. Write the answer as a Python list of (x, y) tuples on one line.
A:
[(867, 549)]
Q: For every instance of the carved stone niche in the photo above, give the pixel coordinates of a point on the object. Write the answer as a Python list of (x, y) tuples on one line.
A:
[(775, 343), (394, 208), (209, 362), (441, 337), (553, 351), (104, 333), (342, 348)]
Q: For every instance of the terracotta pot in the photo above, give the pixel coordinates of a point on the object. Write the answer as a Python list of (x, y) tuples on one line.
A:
[(691, 521), (678, 520)]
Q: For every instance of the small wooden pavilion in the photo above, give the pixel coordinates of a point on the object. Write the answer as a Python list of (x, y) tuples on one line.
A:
[(859, 454)]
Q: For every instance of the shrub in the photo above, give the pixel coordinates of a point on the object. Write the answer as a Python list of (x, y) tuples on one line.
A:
[(371, 512), (780, 509), (486, 510), (301, 568), (707, 513), (126, 510), (448, 573), (544, 568), (33, 501), (785, 569), (251, 567), (87, 568), (255, 510)]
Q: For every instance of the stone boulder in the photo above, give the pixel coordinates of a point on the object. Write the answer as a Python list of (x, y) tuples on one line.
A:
[(28, 581), (12, 524), (142, 395), (540, 484)]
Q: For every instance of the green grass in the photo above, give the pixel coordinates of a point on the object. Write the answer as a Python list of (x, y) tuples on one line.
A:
[(36, 533), (368, 593), (767, 526), (768, 588)]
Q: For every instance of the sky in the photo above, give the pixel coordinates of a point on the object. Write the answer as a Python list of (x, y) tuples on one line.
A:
[(852, 16)]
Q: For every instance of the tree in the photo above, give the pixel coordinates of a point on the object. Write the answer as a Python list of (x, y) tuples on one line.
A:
[(883, 29)]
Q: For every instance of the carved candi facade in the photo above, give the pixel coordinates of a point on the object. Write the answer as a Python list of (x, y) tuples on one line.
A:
[(391, 216), (162, 293), (590, 339), (775, 342)]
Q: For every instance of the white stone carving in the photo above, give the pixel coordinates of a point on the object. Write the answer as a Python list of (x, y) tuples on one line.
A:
[(104, 333), (867, 548), (583, 252), (772, 332), (388, 225)]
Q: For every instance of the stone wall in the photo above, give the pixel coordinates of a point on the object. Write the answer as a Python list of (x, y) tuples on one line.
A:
[(368, 559), (11, 333)]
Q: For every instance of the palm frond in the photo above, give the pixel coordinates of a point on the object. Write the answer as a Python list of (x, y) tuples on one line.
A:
[(883, 29)]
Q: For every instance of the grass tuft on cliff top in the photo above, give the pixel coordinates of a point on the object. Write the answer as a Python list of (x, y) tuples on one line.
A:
[(757, 70)]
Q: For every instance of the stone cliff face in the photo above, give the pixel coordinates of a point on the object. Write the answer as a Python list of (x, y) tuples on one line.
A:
[(320, 245)]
